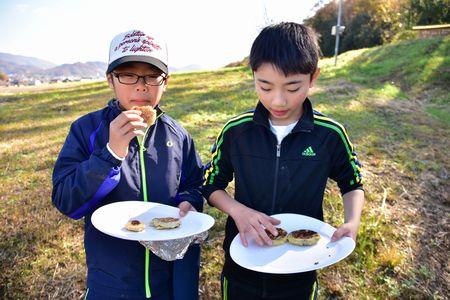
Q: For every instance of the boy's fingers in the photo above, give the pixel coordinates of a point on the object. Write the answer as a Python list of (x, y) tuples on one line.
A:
[(268, 225), (131, 134), (243, 239), (132, 112), (129, 127), (126, 117), (260, 240), (257, 234), (185, 207), (133, 125), (274, 221), (338, 234), (262, 235), (138, 124)]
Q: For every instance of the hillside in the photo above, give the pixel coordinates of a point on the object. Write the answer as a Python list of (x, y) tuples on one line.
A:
[(394, 101), (17, 66), (87, 69), (26, 61), (7, 67)]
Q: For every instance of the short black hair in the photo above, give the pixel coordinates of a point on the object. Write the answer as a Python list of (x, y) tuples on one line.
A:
[(290, 47)]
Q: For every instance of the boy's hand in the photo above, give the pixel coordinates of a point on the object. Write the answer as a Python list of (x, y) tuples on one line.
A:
[(252, 223), (122, 129), (185, 207), (347, 229)]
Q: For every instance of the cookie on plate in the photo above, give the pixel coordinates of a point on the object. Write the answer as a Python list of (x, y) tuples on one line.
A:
[(280, 238), (303, 237), (165, 223), (135, 225)]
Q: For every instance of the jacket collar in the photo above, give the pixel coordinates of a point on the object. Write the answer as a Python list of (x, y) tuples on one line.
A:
[(306, 123)]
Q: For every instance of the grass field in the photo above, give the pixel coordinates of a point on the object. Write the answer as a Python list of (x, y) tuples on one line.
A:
[(394, 101)]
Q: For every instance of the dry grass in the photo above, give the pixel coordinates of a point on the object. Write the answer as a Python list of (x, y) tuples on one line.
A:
[(403, 245)]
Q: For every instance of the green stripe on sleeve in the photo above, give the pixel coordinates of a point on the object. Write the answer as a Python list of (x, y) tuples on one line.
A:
[(214, 169), (346, 144)]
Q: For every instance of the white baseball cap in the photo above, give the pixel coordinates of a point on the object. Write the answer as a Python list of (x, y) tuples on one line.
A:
[(136, 45)]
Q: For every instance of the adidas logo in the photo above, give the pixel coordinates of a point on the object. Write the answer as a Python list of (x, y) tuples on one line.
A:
[(309, 152)]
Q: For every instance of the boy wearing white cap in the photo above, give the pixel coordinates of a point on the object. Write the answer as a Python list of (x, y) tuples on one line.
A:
[(102, 162)]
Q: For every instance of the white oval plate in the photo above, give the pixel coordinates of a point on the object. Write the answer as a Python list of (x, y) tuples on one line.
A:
[(111, 219), (288, 258)]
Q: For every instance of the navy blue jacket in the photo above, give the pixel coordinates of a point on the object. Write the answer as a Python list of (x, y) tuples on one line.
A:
[(86, 176)]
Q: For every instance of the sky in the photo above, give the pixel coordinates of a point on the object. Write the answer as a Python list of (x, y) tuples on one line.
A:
[(206, 33)]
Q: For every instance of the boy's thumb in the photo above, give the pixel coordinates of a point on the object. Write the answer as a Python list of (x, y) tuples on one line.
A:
[(184, 208), (337, 234)]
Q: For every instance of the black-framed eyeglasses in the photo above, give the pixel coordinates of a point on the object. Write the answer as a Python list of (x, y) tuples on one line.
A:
[(130, 79)]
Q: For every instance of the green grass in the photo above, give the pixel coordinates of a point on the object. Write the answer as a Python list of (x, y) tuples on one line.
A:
[(393, 101)]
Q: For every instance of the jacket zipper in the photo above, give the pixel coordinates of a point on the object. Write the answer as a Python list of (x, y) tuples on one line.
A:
[(276, 178), (142, 149), (148, 293)]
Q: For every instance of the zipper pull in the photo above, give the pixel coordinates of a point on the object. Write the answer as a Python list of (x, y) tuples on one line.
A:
[(278, 150)]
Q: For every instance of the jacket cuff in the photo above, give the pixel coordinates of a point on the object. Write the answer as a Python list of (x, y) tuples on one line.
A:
[(345, 190), (207, 191), (114, 154), (105, 155), (196, 202)]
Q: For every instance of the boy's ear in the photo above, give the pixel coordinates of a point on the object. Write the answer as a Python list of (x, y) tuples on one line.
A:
[(110, 80), (314, 77), (166, 81)]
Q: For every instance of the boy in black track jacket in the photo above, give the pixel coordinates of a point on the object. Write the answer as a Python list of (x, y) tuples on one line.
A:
[(281, 155)]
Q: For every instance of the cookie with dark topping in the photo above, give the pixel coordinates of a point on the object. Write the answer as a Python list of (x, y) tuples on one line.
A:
[(135, 225), (303, 237), (280, 238)]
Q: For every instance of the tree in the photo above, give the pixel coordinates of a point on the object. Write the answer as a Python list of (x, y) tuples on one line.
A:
[(368, 23), (322, 22), (3, 77), (427, 12)]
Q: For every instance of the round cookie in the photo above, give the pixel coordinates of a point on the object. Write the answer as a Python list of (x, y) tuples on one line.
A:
[(135, 225), (165, 223), (280, 238), (148, 113), (303, 237)]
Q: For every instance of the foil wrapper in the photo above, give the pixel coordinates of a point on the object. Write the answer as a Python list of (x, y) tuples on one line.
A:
[(174, 249)]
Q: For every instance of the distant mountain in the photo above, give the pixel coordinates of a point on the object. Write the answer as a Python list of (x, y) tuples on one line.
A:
[(185, 68), (8, 67), (18, 65), (88, 69), (26, 61)]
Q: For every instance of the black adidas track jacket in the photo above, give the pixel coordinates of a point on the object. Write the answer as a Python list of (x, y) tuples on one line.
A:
[(286, 178)]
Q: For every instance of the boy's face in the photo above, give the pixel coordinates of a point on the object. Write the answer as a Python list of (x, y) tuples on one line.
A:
[(140, 93), (281, 95)]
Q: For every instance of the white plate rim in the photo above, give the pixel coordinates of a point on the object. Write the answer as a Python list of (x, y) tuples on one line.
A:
[(347, 243), (206, 221)]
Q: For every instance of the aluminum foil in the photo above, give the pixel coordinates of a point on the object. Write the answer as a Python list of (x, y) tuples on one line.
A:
[(174, 249)]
